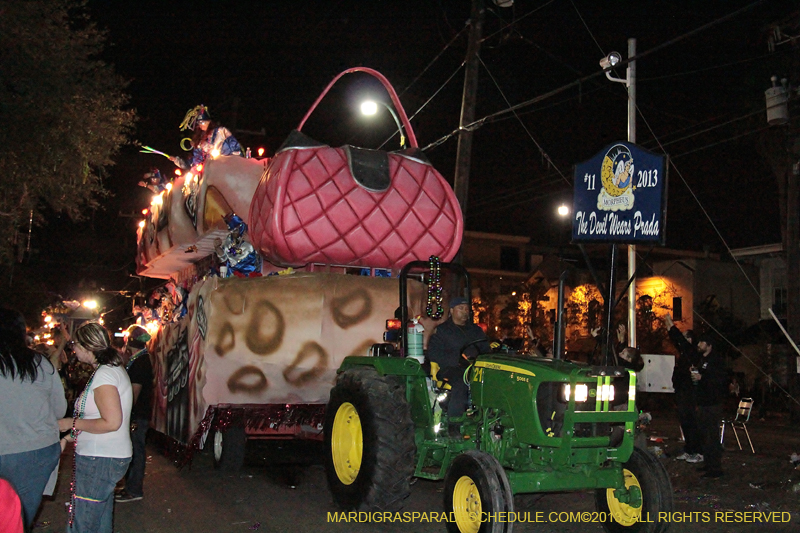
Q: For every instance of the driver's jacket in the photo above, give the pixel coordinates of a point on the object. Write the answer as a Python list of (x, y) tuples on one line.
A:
[(446, 344)]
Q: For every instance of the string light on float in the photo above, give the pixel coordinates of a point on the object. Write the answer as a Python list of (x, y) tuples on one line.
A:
[(260, 152), (214, 153), (152, 327)]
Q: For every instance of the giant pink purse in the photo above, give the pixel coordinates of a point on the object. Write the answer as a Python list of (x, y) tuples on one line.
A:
[(352, 206)]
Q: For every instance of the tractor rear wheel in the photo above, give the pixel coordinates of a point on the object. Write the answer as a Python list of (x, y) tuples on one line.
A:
[(651, 494), (369, 438), (475, 486)]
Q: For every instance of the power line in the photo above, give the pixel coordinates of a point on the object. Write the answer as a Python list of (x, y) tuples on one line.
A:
[(489, 118), (530, 135)]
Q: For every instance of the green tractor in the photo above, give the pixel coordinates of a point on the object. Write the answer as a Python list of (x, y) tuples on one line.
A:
[(534, 425)]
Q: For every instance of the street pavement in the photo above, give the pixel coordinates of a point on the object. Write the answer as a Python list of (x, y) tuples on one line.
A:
[(282, 488)]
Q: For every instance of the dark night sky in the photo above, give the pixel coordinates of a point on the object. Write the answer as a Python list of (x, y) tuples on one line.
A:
[(274, 58)]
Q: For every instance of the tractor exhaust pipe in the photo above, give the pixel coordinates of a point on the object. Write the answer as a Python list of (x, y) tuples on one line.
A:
[(558, 337)]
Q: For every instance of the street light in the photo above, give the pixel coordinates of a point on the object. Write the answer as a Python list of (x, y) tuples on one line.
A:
[(609, 62), (563, 210), (370, 107)]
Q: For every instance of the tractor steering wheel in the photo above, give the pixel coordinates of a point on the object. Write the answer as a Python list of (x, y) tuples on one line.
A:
[(467, 345)]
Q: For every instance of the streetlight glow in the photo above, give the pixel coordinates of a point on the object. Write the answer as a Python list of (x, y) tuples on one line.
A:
[(90, 304), (563, 210), (369, 107)]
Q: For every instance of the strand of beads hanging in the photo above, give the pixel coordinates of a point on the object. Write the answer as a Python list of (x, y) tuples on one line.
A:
[(134, 357), (434, 307), (80, 409)]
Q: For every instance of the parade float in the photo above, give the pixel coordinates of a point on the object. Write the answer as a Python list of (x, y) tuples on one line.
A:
[(276, 270)]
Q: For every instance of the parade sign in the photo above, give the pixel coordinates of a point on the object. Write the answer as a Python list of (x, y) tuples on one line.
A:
[(620, 196)]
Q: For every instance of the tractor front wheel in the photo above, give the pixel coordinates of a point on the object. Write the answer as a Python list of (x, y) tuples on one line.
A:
[(476, 488), (649, 493), (369, 440)]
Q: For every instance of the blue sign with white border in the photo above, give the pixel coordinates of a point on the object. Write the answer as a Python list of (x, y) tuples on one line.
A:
[(620, 196)]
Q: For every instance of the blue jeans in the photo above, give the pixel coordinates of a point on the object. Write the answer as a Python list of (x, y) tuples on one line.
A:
[(95, 479), (135, 478), (28, 473)]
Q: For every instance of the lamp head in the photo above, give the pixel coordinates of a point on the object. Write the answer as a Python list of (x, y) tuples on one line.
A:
[(610, 61), (369, 107)]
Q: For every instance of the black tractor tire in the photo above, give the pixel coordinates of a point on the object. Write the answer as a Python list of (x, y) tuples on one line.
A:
[(475, 480), (227, 448), (647, 471), (369, 442)]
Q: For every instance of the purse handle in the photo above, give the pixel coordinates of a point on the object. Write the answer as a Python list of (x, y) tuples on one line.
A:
[(412, 139)]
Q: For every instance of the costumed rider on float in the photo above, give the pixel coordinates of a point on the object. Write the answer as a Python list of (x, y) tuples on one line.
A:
[(454, 342), (154, 181), (209, 139), (237, 256)]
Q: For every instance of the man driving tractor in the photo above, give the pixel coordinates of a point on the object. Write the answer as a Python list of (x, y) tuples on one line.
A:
[(455, 341)]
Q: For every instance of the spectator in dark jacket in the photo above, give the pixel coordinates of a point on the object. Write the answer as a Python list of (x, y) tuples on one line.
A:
[(711, 380), (140, 371), (685, 401)]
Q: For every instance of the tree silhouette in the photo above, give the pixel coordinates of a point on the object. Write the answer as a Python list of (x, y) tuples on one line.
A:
[(62, 112)]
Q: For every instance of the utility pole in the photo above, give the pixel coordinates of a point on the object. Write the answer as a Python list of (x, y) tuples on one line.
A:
[(469, 96), (787, 169), (631, 84)]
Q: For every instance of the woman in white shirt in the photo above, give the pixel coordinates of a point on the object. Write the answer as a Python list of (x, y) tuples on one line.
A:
[(100, 430)]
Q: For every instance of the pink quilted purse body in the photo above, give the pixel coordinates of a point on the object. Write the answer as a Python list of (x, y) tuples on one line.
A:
[(353, 207)]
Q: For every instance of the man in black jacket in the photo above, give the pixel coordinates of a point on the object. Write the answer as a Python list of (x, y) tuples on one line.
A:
[(711, 380), (454, 341), (685, 401), (140, 371)]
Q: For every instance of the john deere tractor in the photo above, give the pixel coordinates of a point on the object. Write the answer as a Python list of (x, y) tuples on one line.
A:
[(534, 425)]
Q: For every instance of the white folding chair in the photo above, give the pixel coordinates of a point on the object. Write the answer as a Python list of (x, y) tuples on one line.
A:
[(740, 420)]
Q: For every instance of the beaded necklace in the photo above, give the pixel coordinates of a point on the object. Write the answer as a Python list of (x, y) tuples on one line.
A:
[(79, 411), (434, 307), (134, 357)]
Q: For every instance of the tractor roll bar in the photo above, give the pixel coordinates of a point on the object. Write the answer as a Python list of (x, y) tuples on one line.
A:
[(425, 265)]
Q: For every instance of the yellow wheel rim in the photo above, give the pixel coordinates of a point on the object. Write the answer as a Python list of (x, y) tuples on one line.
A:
[(347, 443), (624, 513), (467, 505)]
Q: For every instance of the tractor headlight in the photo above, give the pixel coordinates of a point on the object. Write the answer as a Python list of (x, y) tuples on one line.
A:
[(581, 392), (606, 392)]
